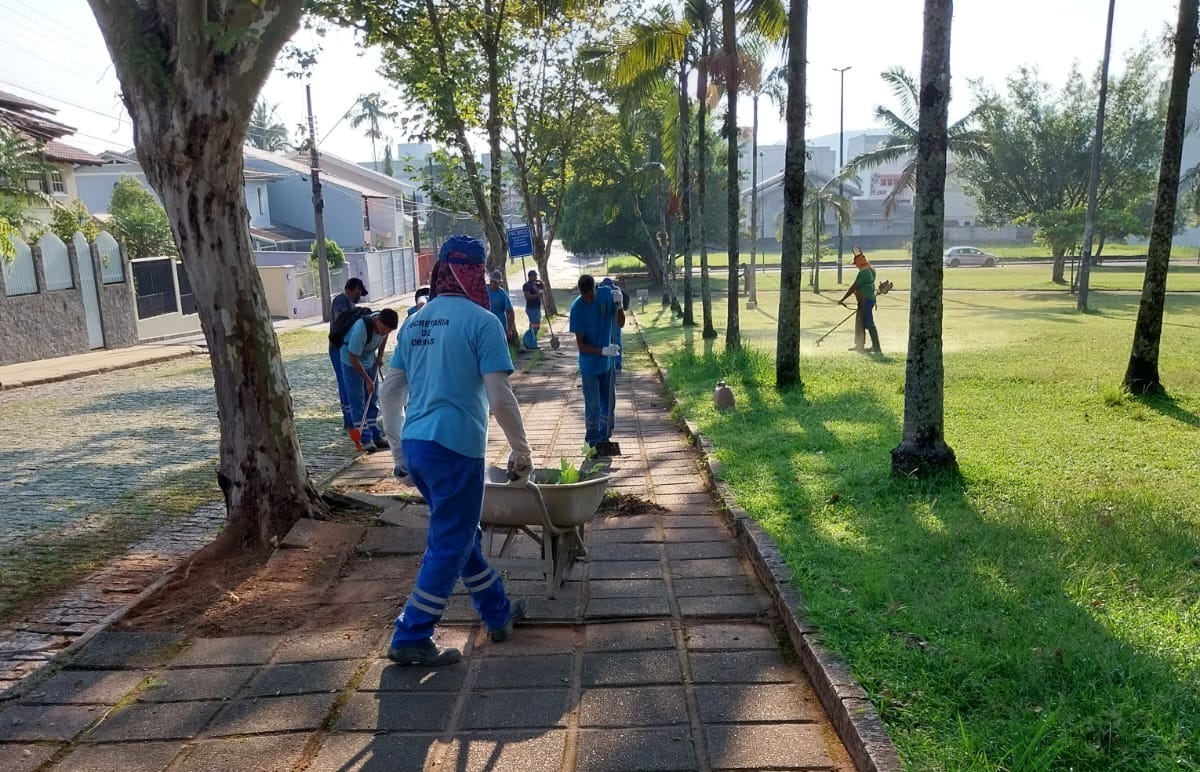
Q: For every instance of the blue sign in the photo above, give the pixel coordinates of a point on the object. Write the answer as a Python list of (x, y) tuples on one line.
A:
[(520, 242)]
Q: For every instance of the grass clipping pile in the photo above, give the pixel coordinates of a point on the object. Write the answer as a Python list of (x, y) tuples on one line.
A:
[(319, 578)]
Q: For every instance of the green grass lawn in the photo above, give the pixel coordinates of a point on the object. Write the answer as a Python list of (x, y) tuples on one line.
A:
[(1042, 610), (1182, 277), (720, 259)]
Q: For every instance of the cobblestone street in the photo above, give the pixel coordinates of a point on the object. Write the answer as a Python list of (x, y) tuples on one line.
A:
[(73, 447), (81, 453)]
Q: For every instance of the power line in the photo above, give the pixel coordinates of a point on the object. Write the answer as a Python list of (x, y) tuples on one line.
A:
[(33, 34), (61, 29), (60, 99), (63, 66)]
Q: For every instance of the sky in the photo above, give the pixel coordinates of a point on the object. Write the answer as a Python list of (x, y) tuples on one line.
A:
[(56, 55)]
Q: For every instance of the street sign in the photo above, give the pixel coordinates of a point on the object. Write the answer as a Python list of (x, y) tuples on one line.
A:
[(520, 242)]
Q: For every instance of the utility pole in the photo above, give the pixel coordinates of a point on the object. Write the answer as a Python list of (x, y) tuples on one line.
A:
[(318, 212), (841, 71), (751, 289), (1089, 227)]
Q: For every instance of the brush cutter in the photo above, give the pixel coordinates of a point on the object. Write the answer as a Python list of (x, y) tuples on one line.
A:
[(834, 327)]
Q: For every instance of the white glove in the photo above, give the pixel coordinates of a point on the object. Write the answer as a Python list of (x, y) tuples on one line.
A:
[(611, 350), (617, 297), (520, 466)]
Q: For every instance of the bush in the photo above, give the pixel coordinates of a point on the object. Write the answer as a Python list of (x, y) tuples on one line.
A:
[(333, 253)]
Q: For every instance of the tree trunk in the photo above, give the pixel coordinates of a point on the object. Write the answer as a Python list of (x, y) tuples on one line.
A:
[(709, 332), (497, 237), (1089, 226), (685, 195), (923, 449), (791, 269), (497, 242), (1141, 375), (190, 109), (733, 334), (1059, 270)]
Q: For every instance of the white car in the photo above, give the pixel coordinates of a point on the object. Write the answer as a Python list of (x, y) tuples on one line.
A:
[(956, 256)]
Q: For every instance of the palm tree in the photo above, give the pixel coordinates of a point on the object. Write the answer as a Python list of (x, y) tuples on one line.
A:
[(818, 202), (1141, 375), (373, 110), (729, 34), (266, 131), (754, 54), (659, 46), (763, 17), (923, 447), (791, 268), (901, 145)]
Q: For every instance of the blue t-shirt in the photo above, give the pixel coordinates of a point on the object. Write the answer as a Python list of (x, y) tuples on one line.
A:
[(501, 305), (363, 342), (596, 320), (341, 304), (444, 352)]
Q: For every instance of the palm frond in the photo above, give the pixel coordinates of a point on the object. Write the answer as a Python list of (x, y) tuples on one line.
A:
[(907, 181), (905, 90), (767, 18), (880, 156), (900, 129)]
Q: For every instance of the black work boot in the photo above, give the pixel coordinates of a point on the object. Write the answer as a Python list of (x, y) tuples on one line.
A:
[(516, 613), (425, 653), (874, 340)]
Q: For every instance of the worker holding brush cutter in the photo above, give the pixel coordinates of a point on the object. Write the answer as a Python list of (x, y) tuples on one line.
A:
[(863, 289)]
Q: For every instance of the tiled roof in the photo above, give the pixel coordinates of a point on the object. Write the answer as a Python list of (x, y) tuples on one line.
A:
[(59, 151)]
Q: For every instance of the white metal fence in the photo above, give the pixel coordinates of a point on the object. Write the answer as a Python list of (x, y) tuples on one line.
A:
[(112, 269), (56, 263), (20, 278)]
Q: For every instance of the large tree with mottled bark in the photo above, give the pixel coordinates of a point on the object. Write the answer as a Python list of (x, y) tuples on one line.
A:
[(923, 447), (190, 72), (791, 269), (1141, 376)]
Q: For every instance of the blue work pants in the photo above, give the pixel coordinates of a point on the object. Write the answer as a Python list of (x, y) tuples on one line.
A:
[(356, 392), (599, 406), (335, 358), (452, 485)]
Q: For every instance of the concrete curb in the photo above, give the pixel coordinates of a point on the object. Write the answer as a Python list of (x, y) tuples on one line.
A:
[(108, 368), (855, 718)]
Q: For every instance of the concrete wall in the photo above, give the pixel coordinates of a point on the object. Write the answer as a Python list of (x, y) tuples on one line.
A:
[(258, 204), (53, 324)]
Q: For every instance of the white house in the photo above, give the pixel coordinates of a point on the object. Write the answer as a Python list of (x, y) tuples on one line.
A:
[(35, 121)]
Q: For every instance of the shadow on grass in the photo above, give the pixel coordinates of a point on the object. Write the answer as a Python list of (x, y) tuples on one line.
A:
[(969, 620), (1165, 405)]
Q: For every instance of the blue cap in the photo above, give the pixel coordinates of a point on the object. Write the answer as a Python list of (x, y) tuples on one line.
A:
[(463, 250)]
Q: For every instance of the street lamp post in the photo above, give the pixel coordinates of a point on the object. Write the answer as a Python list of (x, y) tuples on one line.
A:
[(841, 71)]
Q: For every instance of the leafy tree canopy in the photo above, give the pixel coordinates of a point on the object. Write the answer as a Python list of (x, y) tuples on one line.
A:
[(1040, 142), (139, 221)]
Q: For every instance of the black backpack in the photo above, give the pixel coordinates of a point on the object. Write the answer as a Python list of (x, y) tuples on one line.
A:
[(342, 325)]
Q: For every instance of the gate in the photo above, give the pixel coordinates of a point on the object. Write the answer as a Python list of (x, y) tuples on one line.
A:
[(87, 285)]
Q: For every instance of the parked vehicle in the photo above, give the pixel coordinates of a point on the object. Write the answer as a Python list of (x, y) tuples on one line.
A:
[(956, 256)]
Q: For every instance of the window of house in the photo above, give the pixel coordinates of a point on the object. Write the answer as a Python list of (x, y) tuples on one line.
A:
[(37, 184), (366, 216), (261, 207), (57, 184)]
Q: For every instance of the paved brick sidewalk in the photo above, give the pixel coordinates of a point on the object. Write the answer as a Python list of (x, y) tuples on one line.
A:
[(658, 655)]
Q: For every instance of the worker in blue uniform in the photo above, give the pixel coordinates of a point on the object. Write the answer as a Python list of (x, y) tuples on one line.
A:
[(456, 361), (595, 314)]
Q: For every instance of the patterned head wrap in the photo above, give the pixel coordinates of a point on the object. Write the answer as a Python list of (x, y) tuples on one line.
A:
[(460, 270)]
